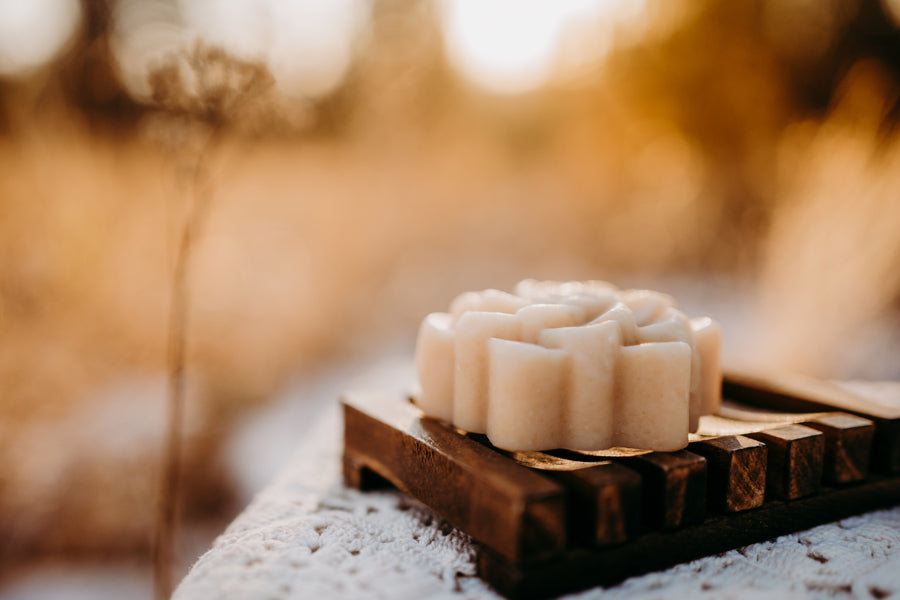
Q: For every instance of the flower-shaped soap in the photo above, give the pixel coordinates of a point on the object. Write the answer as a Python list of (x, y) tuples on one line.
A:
[(580, 365)]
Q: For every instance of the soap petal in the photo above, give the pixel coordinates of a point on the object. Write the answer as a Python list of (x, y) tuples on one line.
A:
[(537, 317), (674, 326), (652, 396), (554, 291), (435, 358), (470, 382), (648, 306), (620, 313), (587, 416), (486, 301), (526, 390), (592, 305), (708, 334)]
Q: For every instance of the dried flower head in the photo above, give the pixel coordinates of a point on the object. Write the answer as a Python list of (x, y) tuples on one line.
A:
[(209, 85)]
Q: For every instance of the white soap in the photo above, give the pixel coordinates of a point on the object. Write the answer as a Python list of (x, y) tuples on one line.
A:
[(709, 344), (673, 326), (470, 381), (652, 389), (621, 314), (486, 301), (435, 364), (647, 305), (577, 365), (526, 386), (536, 318), (588, 416)]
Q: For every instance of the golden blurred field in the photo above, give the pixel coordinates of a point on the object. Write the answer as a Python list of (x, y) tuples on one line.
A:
[(701, 157)]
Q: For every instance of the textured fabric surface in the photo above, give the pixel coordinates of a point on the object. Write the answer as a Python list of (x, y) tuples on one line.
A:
[(306, 536)]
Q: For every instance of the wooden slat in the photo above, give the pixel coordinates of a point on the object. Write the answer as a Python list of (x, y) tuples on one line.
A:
[(796, 456), (604, 497), (674, 492), (736, 467), (515, 511), (582, 568), (848, 438), (796, 393), (524, 507), (848, 446), (605, 503), (358, 475)]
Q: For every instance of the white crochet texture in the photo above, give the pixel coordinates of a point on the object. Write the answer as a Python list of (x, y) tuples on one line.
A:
[(306, 536)]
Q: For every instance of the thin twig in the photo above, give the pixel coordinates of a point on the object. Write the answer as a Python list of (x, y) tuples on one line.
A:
[(170, 477), (226, 90)]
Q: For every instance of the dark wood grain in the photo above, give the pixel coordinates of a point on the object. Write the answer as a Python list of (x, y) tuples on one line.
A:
[(559, 521), (796, 456), (515, 511), (582, 568), (604, 497), (358, 475), (795, 393), (848, 446), (848, 438), (736, 471), (604, 503), (674, 487)]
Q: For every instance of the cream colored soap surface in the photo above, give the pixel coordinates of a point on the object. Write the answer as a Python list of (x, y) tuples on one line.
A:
[(577, 365)]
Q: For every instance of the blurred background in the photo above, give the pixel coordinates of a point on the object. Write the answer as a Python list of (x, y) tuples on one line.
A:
[(358, 163)]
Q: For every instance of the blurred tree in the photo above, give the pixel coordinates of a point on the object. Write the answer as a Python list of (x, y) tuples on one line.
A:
[(86, 75), (82, 81), (861, 30), (734, 74)]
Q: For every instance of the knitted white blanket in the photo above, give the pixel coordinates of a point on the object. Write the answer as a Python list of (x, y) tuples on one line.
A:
[(306, 536)]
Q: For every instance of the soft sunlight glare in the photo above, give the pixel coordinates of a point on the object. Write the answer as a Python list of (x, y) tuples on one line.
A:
[(510, 46), (892, 8), (32, 32)]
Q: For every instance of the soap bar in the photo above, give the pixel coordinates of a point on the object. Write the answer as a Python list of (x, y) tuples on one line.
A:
[(579, 365)]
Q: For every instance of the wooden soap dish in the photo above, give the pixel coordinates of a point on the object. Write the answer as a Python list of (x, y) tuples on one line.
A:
[(555, 522)]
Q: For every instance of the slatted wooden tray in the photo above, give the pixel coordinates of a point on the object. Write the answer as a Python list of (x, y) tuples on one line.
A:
[(555, 522)]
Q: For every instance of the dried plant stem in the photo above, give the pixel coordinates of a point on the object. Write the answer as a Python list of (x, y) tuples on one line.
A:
[(223, 90), (170, 476)]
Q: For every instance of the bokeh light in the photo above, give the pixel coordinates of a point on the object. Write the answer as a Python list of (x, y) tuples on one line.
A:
[(511, 46), (893, 9), (33, 32), (308, 45)]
